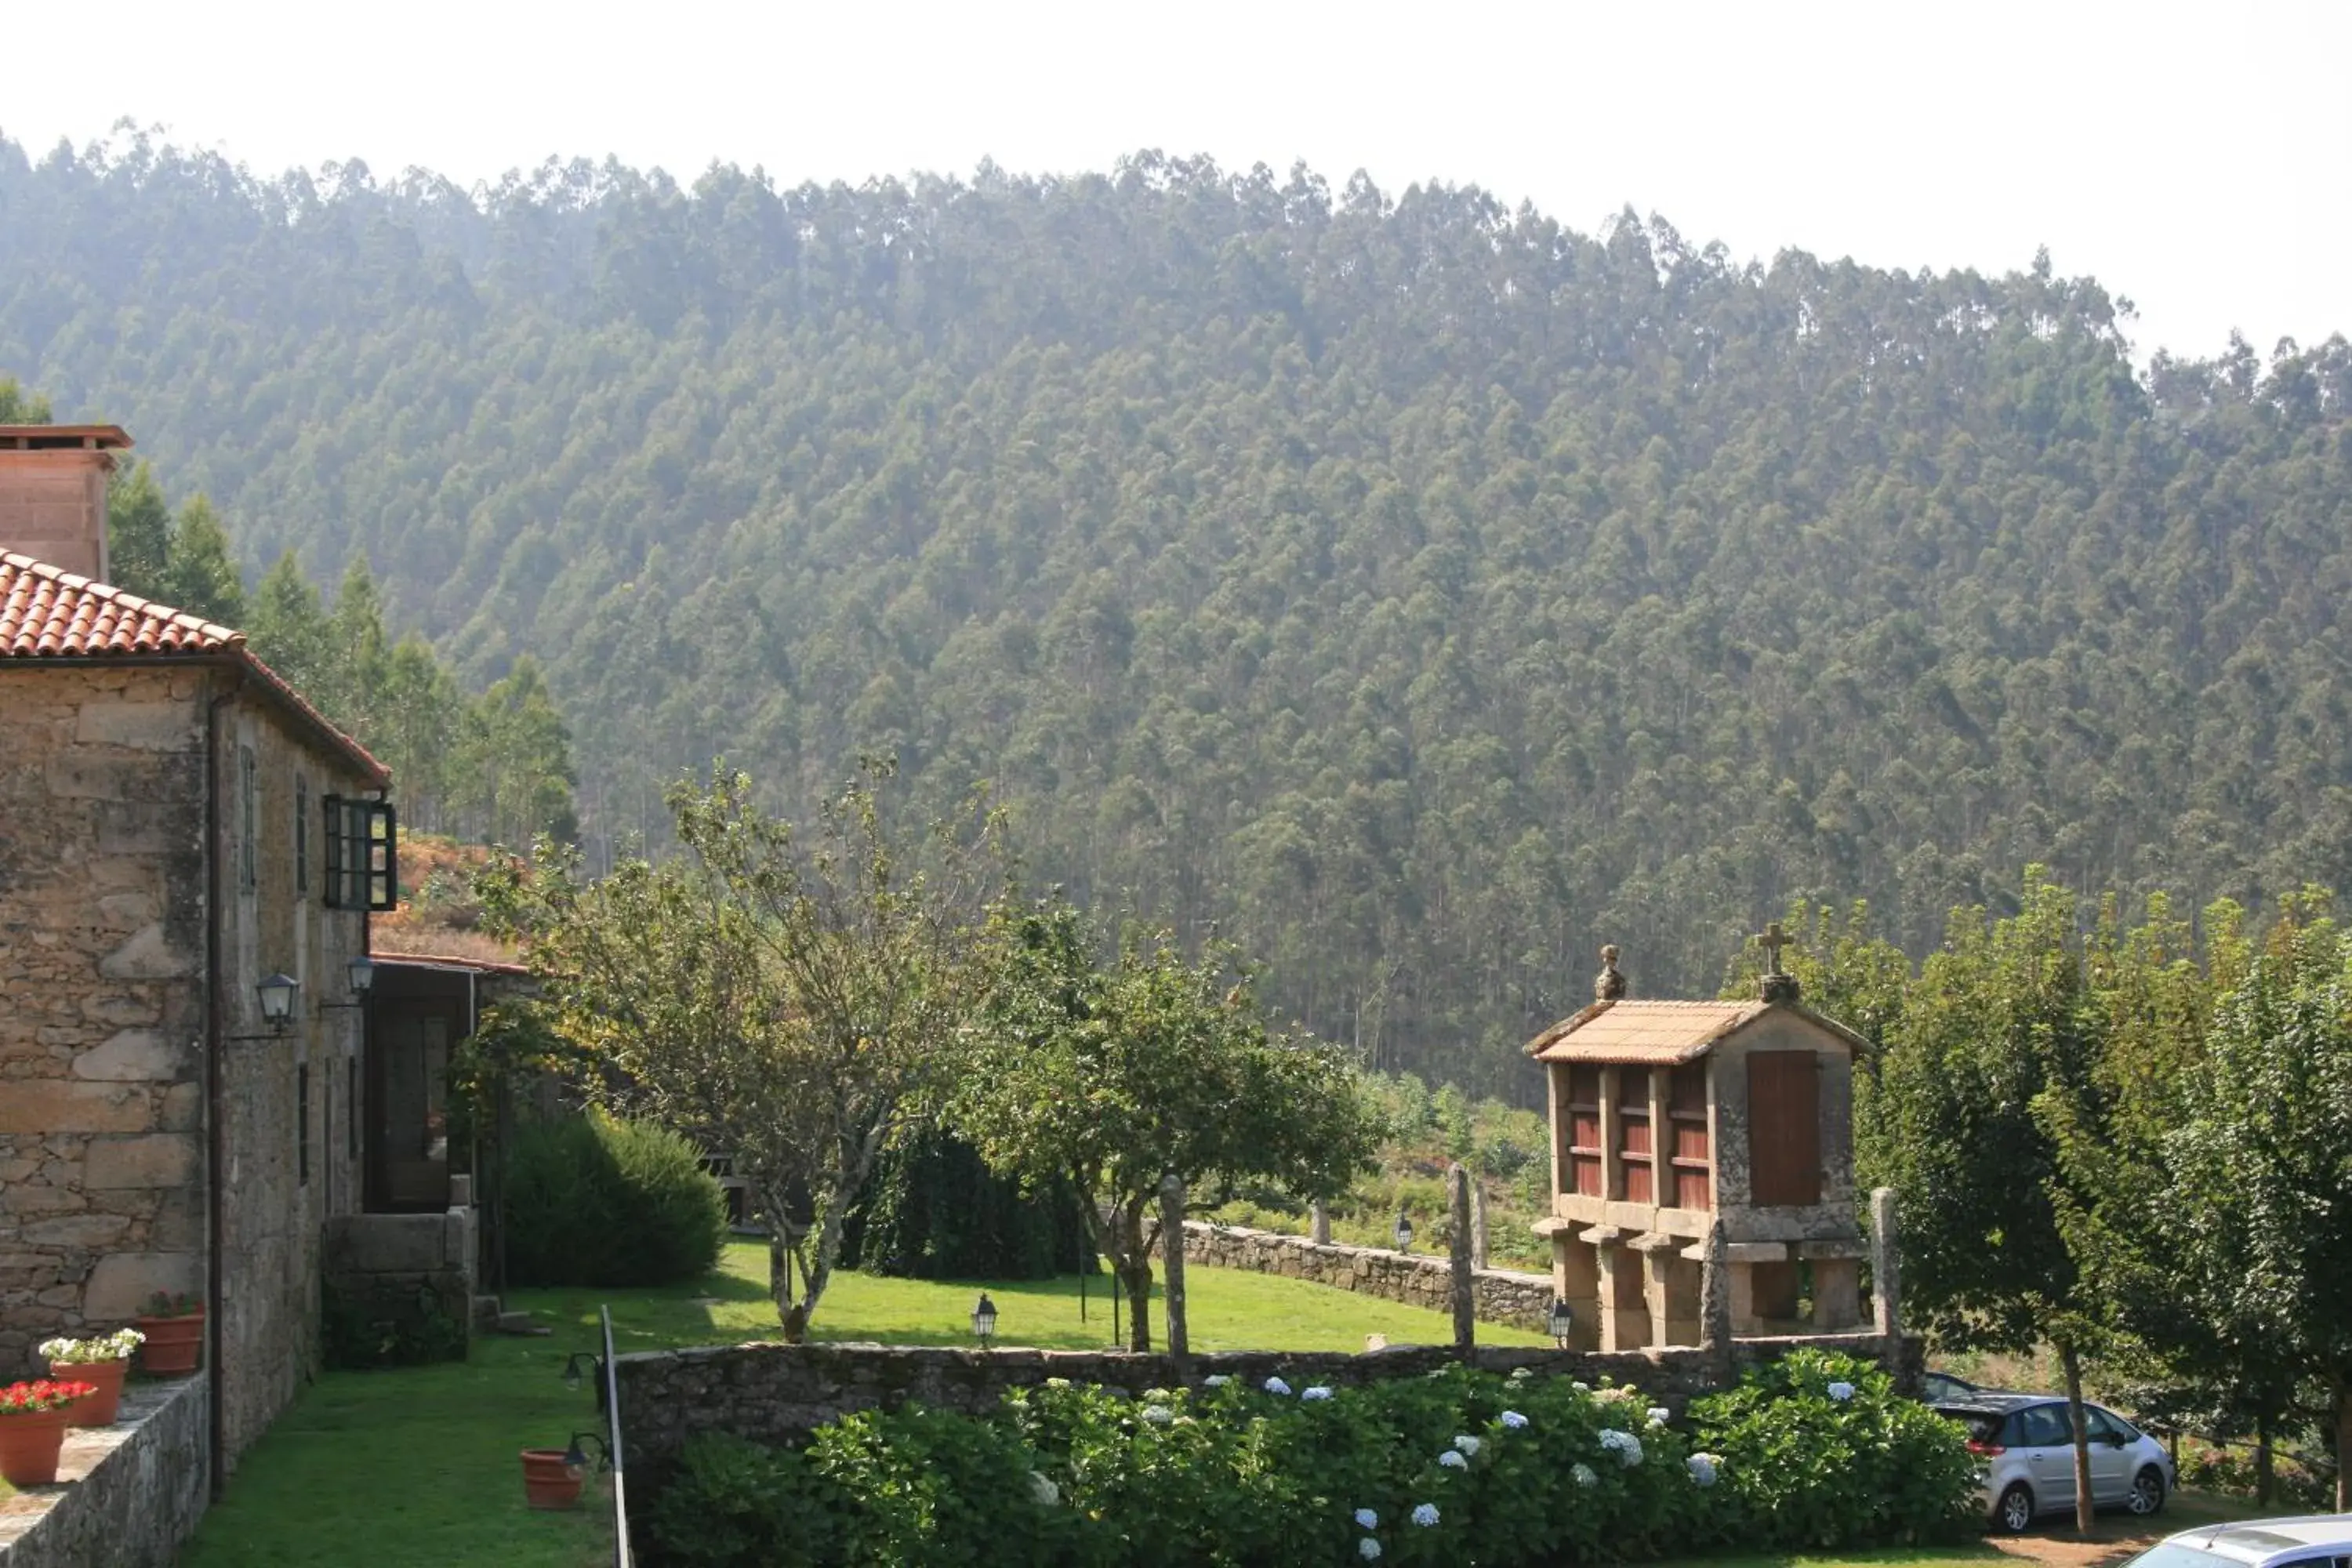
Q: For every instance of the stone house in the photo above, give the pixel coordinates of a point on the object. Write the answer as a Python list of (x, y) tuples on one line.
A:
[(1678, 1124), (177, 826)]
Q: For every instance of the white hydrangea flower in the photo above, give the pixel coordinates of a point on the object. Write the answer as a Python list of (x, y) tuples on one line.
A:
[(1318, 1392), (1520, 1374), (1841, 1392), (1057, 1382), (1582, 1475), (1468, 1444), (1658, 1414), (1367, 1519), (1452, 1461), (1424, 1514), (1043, 1490), (1513, 1421), (1158, 1415), (1582, 1387), (1368, 1548), (1216, 1380), (1276, 1385)]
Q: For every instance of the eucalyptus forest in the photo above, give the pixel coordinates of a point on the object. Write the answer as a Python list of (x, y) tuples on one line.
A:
[(1416, 591)]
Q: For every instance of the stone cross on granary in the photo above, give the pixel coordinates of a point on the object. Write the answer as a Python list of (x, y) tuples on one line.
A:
[(1778, 984)]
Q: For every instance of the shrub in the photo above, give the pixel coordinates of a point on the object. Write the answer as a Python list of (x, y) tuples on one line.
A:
[(597, 1201), (1820, 1451), (1456, 1467), (733, 1501)]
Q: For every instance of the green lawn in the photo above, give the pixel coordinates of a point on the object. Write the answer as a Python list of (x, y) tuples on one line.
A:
[(419, 1468)]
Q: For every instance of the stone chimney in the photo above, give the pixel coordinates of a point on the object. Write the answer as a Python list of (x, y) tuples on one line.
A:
[(53, 492)]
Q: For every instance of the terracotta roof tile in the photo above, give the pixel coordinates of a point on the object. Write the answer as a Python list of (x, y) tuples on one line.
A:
[(45, 612)]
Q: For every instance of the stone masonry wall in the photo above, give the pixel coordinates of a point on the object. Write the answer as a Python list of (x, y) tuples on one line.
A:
[(133, 1493), (101, 997), (1517, 1301), (778, 1393)]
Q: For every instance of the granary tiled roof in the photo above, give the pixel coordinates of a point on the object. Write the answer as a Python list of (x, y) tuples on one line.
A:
[(47, 613), (1661, 1034)]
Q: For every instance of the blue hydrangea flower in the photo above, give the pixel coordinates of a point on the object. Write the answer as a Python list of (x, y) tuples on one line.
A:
[(1513, 1421), (1276, 1385), (1702, 1468), (1424, 1514), (1367, 1519), (1158, 1415), (1368, 1548), (1318, 1392), (1452, 1461), (1841, 1392), (1215, 1380)]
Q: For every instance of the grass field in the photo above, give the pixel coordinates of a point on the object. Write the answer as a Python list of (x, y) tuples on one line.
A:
[(417, 1468)]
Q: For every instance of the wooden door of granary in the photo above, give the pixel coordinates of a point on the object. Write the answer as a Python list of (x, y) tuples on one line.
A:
[(1784, 1127), (1584, 1155), (1636, 1150)]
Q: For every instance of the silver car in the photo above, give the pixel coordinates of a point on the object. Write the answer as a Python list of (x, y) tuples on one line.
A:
[(2025, 1457), (2315, 1541)]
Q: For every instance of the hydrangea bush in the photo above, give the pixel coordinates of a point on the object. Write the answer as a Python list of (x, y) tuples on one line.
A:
[(1456, 1467)]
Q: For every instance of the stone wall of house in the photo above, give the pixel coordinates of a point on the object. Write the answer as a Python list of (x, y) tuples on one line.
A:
[(134, 1490), (288, 1159), (777, 1394), (101, 970), (1518, 1301)]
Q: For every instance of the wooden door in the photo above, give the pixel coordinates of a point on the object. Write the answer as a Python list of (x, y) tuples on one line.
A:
[(1784, 1127)]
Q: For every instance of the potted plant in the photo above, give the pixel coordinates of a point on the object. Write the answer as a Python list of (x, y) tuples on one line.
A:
[(99, 1361), (33, 1429), (550, 1477), (174, 1327)]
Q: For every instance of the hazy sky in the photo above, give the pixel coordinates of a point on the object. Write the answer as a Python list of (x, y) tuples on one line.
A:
[(2195, 159)]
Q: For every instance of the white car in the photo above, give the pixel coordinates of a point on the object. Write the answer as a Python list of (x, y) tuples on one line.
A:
[(2314, 1540), (2025, 1454)]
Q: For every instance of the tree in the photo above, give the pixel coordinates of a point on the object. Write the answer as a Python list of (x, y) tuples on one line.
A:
[(1111, 1079), (200, 575), (138, 533), (793, 1006), (2256, 1204), (512, 771), (289, 629), (19, 407), (1998, 1017)]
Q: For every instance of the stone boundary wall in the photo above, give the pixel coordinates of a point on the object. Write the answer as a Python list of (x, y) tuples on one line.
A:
[(778, 1393), (1515, 1300), (395, 1270), (133, 1493)]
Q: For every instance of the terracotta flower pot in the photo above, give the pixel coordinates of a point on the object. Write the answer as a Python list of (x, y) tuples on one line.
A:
[(29, 1448), (96, 1409), (174, 1345), (547, 1481)]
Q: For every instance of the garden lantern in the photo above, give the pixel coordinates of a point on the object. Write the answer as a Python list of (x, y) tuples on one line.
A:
[(362, 971), (984, 1320), (1559, 1321), (278, 999), (1403, 1232)]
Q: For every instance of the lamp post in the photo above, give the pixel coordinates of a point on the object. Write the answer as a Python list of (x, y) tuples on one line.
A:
[(984, 1320), (1559, 1323), (1403, 1232)]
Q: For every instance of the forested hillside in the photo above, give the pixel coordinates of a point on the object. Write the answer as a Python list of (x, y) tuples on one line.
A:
[(1422, 590)]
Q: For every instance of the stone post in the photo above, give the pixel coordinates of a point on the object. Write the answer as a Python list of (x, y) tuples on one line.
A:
[(1172, 1247), (1477, 1224), (1318, 1223), (1885, 1265), (1466, 1298), (1714, 1305)]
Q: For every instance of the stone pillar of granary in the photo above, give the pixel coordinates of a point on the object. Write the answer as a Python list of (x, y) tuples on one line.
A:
[(1576, 1280), (1670, 1290), (1624, 1301), (1837, 1293)]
